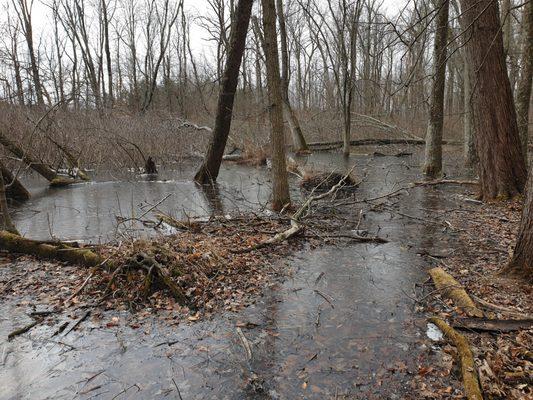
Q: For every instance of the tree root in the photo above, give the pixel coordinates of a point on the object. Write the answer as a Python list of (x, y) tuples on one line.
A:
[(156, 270), (455, 291), (62, 252), (468, 367)]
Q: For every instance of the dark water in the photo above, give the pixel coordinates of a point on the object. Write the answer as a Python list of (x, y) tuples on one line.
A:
[(364, 342)]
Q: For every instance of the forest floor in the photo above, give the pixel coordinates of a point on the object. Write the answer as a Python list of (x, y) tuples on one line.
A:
[(504, 359)]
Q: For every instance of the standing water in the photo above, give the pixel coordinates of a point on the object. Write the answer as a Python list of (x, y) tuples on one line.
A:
[(341, 325)]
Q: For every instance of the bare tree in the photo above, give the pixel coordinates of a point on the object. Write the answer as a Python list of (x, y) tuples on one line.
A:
[(433, 154), (24, 13), (5, 219), (298, 138), (209, 169), (280, 186)]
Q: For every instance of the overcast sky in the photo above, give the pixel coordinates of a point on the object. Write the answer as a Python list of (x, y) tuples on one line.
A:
[(42, 19)]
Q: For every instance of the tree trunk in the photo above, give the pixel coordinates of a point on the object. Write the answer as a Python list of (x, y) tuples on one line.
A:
[(280, 185), (433, 155), (13, 188), (522, 261), (502, 167), (523, 93), (209, 169), (5, 219), (298, 138), (470, 155)]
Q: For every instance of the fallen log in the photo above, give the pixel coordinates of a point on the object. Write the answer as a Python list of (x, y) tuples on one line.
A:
[(370, 142), (14, 189), (454, 291), (41, 168), (60, 251), (466, 359), (492, 325)]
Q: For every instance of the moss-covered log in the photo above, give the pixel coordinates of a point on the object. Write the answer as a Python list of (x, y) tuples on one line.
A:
[(453, 290), (61, 252), (468, 367)]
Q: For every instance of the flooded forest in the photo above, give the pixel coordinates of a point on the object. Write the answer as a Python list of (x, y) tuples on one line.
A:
[(270, 199)]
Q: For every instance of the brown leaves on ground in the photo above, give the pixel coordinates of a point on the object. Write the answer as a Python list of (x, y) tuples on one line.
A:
[(200, 261), (487, 234)]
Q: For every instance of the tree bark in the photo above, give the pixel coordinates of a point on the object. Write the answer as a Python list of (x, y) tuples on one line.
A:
[(209, 169), (523, 93), (280, 185), (522, 261), (502, 167), (298, 138), (13, 188), (470, 155), (5, 219), (433, 154)]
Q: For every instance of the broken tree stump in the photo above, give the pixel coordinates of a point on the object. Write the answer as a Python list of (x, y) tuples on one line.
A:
[(149, 166)]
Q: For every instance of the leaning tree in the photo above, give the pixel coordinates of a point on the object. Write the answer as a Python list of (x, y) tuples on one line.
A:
[(502, 167), (209, 169)]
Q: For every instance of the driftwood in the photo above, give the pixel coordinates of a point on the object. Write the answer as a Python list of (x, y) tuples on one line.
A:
[(492, 325), (454, 291), (468, 367), (60, 251)]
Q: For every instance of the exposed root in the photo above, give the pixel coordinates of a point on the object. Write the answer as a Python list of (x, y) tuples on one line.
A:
[(453, 290), (468, 367)]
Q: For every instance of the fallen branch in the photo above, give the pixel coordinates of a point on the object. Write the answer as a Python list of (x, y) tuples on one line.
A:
[(468, 367), (492, 325), (445, 181), (295, 219), (453, 290), (500, 309), (24, 329), (245, 343)]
